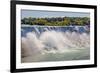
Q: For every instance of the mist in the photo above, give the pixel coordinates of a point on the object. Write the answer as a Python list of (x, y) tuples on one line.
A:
[(36, 44)]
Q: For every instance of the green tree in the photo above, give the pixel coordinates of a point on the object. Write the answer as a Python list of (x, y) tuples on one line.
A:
[(40, 21)]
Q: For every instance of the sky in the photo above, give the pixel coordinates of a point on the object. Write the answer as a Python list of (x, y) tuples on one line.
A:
[(42, 14)]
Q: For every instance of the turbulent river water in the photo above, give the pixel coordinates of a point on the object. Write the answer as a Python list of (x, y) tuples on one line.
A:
[(52, 43)]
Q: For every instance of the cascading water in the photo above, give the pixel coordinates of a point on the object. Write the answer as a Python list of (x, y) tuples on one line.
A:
[(50, 42)]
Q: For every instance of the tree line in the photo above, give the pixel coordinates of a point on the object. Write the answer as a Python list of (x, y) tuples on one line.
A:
[(56, 21)]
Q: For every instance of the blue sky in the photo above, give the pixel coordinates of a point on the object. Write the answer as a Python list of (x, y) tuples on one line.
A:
[(41, 14)]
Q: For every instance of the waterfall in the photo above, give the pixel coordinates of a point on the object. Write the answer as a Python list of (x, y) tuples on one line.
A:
[(37, 30), (54, 39)]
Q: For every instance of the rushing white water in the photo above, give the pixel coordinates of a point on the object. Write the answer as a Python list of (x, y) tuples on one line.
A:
[(54, 42)]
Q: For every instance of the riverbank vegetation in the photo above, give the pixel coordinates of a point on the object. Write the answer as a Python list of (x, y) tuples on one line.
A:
[(56, 21)]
